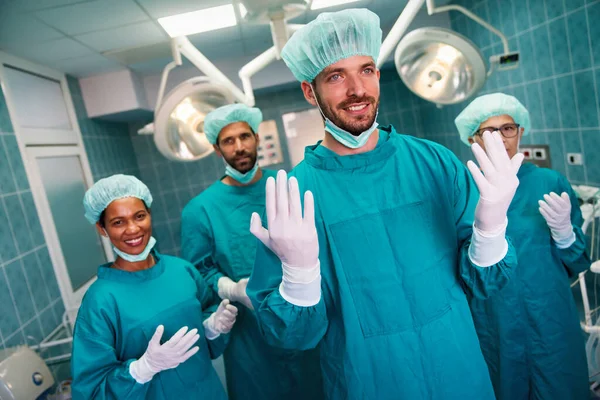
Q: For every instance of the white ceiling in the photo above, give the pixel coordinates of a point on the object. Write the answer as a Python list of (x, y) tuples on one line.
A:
[(90, 37)]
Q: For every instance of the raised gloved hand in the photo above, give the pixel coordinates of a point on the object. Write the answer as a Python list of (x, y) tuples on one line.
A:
[(497, 184), (221, 321), (556, 210), (290, 236), (234, 291), (169, 355)]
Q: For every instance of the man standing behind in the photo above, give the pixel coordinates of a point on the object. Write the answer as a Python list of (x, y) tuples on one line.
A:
[(215, 238)]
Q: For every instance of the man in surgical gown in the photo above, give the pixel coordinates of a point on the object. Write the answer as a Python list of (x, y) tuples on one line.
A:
[(215, 238), (376, 272), (530, 334)]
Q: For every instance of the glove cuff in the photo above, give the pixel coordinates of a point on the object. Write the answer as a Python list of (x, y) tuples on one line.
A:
[(301, 287), (486, 250), (141, 371), (564, 238), (210, 332), (225, 286)]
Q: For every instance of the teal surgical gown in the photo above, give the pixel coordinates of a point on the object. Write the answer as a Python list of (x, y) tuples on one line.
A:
[(216, 238), (529, 333), (393, 322), (117, 318)]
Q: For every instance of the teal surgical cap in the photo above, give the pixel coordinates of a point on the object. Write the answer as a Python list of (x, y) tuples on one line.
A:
[(218, 119), (332, 37), (485, 107), (107, 190)]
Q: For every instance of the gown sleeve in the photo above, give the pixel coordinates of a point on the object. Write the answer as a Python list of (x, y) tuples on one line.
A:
[(97, 373), (280, 322), (197, 245), (480, 282), (575, 257)]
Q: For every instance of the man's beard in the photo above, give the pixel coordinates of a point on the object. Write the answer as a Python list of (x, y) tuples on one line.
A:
[(353, 126), (234, 161)]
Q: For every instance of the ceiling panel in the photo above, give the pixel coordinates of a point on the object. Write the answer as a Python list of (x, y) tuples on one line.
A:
[(37, 5), (162, 8), (129, 36), (53, 50), (93, 16), (18, 30), (86, 66)]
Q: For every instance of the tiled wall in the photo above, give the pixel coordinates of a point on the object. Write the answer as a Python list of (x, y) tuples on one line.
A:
[(558, 80), (107, 144), (29, 296)]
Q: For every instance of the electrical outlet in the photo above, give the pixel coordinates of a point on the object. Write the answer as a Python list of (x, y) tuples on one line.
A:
[(527, 154), (574, 158)]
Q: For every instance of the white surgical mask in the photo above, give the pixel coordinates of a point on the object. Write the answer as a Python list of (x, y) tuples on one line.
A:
[(243, 178), (135, 257)]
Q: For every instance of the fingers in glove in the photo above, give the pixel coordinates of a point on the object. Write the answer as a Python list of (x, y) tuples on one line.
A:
[(271, 200), (516, 162), (189, 353), (176, 337), (309, 209), (256, 228), (231, 308), (157, 336), (556, 203), (478, 177), (495, 149), (294, 198), (483, 160), (187, 341), (283, 210), (548, 211), (547, 217)]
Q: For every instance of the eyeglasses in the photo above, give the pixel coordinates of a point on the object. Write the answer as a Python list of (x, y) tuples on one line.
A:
[(506, 130)]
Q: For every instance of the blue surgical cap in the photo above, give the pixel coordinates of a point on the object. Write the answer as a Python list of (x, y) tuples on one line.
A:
[(487, 106), (218, 119), (332, 37), (107, 190)]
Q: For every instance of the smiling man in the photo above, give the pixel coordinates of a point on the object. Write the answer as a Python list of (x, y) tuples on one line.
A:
[(216, 240), (393, 234)]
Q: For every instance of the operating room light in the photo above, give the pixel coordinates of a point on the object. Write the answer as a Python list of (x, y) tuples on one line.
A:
[(179, 121), (243, 11), (440, 65), (208, 19), (318, 4)]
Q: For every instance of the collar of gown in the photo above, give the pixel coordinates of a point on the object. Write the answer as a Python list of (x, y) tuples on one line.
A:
[(322, 158), (107, 272)]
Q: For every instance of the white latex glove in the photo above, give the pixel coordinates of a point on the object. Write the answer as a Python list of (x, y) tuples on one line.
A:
[(497, 184), (290, 236), (556, 210), (169, 355), (234, 291), (221, 321)]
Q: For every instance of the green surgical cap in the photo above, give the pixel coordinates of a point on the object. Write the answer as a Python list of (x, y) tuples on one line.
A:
[(487, 106), (332, 37), (218, 119), (107, 190)]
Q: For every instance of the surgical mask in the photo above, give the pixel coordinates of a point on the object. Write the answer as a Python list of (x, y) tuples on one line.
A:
[(243, 178), (136, 257), (344, 137)]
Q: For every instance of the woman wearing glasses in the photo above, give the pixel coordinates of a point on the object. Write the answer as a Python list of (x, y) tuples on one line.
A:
[(529, 332)]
